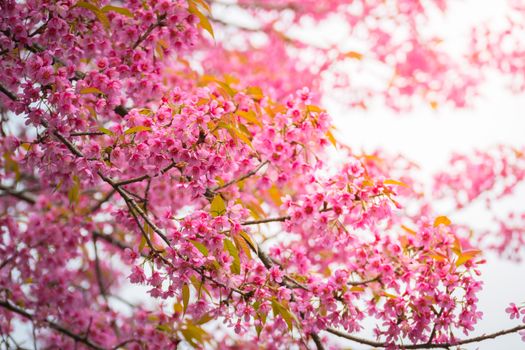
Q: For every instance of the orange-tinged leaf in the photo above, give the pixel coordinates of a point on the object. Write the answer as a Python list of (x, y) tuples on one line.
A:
[(438, 256), (331, 138), (395, 182), (314, 109), (442, 220), (275, 195), (204, 5), (353, 54), (90, 90)]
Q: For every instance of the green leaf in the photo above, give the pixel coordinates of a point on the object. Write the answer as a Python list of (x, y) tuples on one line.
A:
[(200, 247), (96, 11), (87, 6), (185, 297), (279, 309), (230, 247), (74, 192), (136, 129), (194, 334), (122, 10), (204, 319), (106, 131), (218, 207)]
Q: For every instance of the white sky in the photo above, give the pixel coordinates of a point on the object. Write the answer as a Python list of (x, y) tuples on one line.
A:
[(429, 137)]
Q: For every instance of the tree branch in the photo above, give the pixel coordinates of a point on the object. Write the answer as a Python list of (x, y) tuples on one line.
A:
[(426, 345), (78, 338), (18, 194)]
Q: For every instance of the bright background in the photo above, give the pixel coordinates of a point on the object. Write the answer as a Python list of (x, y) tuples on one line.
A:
[(430, 136)]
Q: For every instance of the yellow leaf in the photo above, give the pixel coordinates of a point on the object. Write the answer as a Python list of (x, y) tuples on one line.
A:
[(331, 138), (194, 333), (136, 129), (122, 10), (409, 230), (90, 90), (280, 310), (204, 5), (248, 240), (467, 255), (442, 220), (204, 23), (395, 182), (218, 207), (177, 308), (250, 116), (241, 244), (312, 108), (205, 319), (255, 92), (226, 87)]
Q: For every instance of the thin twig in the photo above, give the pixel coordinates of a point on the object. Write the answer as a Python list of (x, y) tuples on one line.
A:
[(239, 179), (160, 22), (179, 166), (426, 345)]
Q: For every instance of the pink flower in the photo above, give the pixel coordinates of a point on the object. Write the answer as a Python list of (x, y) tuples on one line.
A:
[(513, 311)]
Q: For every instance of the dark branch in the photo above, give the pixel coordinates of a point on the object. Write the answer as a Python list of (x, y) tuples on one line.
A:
[(18, 194)]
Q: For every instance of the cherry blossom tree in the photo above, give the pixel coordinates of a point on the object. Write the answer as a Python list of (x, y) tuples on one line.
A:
[(181, 146)]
